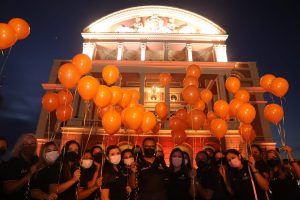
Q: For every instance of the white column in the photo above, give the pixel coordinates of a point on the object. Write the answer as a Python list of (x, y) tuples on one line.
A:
[(120, 51), (89, 49), (189, 52), (143, 51), (220, 52)]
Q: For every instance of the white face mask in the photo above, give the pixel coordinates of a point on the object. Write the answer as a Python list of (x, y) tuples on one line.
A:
[(128, 161), (176, 161), (235, 163), (115, 159), (86, 163), (51, 156)]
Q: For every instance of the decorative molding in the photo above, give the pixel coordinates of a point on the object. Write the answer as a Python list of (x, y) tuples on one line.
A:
[(154, 21)]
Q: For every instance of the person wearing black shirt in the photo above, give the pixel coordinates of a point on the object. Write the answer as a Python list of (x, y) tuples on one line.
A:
[(152, 175), (20, 168), (64, 175), (205, 181), (283, 183), (126, 164), (90, 180), (3, 148), (114, 182), (238, 179), (180, 185), (39, 183)]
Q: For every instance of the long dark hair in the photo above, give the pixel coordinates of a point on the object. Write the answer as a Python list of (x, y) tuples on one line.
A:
[(183, 167), (108, 167), (189, 164), (66, 169)]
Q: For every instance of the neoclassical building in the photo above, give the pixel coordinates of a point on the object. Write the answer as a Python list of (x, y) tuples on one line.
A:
[(144, 42)]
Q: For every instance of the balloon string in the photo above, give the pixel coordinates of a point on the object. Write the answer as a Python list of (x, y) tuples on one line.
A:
[(49, 126), (221, 150), (2, 52), (280, 135), (272, 97), (4, 65)]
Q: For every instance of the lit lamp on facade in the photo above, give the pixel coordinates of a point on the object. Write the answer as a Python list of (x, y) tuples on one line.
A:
[(154, 93)]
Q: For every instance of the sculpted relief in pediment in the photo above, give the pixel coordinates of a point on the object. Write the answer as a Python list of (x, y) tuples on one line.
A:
[(155, 24)]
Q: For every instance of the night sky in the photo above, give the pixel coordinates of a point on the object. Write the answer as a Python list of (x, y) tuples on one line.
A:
[(264, 32)]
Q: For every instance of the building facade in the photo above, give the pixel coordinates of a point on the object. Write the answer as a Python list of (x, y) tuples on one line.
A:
[(144, 42)]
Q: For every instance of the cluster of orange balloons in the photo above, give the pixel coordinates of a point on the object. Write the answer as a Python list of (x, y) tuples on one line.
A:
[(15, 29), (118, 106), (61, 102), (191, 92), (278, 86), (70, 73)]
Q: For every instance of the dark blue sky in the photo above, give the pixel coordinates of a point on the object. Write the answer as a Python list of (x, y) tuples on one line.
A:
[(264, 32)]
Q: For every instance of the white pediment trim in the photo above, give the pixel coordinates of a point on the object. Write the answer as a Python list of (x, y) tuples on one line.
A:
[(154, 19)]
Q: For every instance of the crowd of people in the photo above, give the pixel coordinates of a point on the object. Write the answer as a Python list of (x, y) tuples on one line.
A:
[(141, 173)]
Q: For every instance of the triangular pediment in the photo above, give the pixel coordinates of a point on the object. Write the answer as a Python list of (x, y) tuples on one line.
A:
[(154, 19)]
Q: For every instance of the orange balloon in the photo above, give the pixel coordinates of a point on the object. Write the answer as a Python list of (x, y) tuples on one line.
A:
[(50, 101), (149, 122), (196, 119), (279, 87), (176, 123), (273, 113), (133, 103), (88, 87), (102, 111), (68, 75), (211, 116), (242, 95), (83, 63), (218, 127), (7, 36), (191, 94), (110, 74), (221, 108), (206, 125), (161, 109), (123, 116), (246, 113), (126, 98), (65, 97), (103, 96), (266, 80), (199, 105), (133, 118), (64, 112), (116, 95), (165, 79), (247, 132), (21, 27), (156, 128), (111, 122), (232, 84), (193, 70), (135, 95), (190, 80), (179, 136), (182, 114), (234, 106), (206, 95)]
